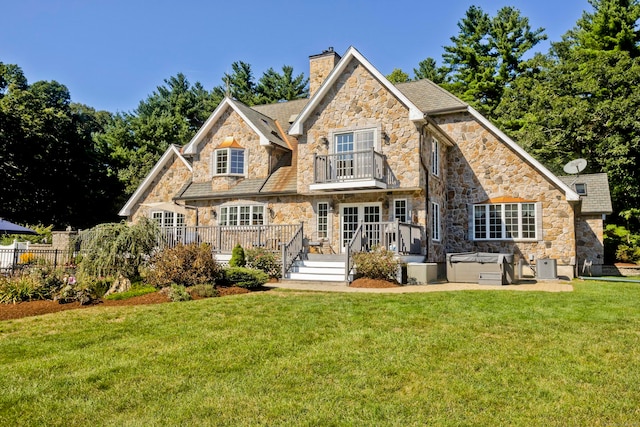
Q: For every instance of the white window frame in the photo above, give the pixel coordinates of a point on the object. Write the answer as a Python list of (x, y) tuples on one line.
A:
[(436, 225), (234, 215), (322, 220), (168, 218), (355, 132), (396, 208), (581, 188), (506, 221), (227, 166), (435, 157)]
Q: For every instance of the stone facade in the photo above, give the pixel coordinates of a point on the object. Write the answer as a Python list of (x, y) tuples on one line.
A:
[(162, 190), (479, 168), (476, 165), (231, 125)]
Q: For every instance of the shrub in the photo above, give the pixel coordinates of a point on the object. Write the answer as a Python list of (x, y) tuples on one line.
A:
[(264, 260), (237, 257), (378, 264), (203, 291), (177, 293), (18, 289), (27, 258), (135, 291), (185, 265), (245, 277)]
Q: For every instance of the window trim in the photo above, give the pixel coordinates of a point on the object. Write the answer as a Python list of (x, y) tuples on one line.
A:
[(322, 234), (242, 214), (229, 154), (489, 227), (334, 134), (436, 222), (583, 186), (435, 157), (394, 213)]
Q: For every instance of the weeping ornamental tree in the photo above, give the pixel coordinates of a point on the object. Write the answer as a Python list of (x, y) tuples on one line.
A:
[(114, 249)]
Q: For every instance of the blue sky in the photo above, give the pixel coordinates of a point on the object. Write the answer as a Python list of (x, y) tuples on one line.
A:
[(113, 54)]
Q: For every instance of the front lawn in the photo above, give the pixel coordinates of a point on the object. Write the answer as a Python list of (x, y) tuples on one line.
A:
[(297, 358)]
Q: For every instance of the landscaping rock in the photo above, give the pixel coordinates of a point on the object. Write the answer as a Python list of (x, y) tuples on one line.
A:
[(121, 284)]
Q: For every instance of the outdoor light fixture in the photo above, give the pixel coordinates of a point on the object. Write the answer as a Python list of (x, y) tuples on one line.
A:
[(272, 213), (214, 214), (324, 140)]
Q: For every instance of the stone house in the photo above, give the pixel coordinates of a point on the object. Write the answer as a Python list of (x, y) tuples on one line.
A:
[(409, 167)]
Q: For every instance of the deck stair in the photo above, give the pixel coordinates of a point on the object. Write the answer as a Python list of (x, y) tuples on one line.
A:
[(318, 268)]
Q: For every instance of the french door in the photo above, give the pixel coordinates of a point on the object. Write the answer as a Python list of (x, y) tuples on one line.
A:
[(352, 214)]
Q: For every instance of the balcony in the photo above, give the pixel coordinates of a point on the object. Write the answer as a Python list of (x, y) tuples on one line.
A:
[(350, 170)]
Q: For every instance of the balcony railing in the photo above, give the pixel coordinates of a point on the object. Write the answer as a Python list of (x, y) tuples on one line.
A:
[(368, 166)]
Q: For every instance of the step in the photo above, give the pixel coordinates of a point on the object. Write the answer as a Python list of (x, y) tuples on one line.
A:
[(325, 257), (317, 270), (319, 264), (316, 277)]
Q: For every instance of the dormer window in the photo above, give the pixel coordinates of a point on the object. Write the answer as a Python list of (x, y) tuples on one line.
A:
[(228, 159), (581, 189)]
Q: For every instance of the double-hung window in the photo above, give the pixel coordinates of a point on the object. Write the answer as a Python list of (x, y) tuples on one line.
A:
[(228, 161), (435, 222), (242, 215), (323, 220), (505, 221), (352, 153), (400, 210), (435, 157)]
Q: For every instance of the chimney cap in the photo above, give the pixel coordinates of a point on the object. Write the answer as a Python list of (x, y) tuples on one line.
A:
[(326, 52)]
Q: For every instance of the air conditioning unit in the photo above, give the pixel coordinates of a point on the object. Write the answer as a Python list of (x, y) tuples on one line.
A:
[(547, 268)]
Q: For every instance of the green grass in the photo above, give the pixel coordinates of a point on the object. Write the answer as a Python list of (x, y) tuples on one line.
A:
[(292, 358), (135, 291)]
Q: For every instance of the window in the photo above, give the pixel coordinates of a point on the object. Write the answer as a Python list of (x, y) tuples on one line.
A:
[(228, 161), (323, 220), (168, 219), (435, 157), (241, 215), (400, 210), (505, 221), (435, 222), (581, 189)]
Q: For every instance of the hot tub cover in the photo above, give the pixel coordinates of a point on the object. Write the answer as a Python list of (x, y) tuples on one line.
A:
[(480, 257)]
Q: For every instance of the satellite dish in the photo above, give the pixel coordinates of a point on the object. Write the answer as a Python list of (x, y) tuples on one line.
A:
[(575, 166)]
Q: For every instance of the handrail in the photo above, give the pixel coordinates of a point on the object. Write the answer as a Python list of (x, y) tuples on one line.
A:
[(350, 165), (354, 245), (292, 250)]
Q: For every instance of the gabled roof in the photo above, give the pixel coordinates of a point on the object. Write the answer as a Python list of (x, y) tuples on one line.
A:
[(598, 199), (431, 98), (262, 125), (296, 129), (165, 160), (282, 111), (570, 194)]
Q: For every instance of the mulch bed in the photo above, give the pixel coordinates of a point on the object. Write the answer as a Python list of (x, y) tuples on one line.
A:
[(372, 283), (35, 308)]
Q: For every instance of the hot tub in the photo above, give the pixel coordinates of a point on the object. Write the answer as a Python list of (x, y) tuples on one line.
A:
[(480, 267)]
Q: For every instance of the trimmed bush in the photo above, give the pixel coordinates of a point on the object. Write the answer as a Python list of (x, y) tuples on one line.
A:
[(264, 260), (203, 291), (245, 277), (177, 293), (135, 291), (185, 265), (380, 264), (237, 257)]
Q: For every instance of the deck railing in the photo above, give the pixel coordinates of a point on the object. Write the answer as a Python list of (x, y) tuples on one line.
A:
[(292, 249), (223, 238), (357, 243), (350, 166)]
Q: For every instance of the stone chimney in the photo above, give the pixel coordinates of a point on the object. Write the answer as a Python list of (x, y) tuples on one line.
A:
[(319, 68)]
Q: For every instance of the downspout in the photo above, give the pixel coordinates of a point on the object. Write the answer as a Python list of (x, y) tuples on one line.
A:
[(426, 199)]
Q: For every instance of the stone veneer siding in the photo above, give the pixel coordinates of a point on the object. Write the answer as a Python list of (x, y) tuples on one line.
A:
[(256, 156), (319, 68), (359, 101), (437, 194), (167, 183), (481, 167), (590, 240)]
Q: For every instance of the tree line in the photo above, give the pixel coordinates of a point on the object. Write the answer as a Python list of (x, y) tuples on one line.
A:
[(68, 164)]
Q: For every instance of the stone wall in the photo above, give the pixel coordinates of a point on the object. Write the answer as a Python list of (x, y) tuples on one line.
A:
[(359, 101), (481, 167), (437, 194), (590, 239), (231, 124), (319, 68), (162, 190)]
